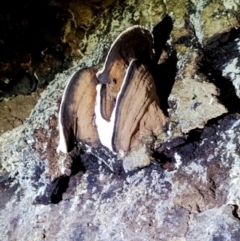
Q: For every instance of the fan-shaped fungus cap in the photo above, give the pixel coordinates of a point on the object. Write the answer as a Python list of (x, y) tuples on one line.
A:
[(76, 115), (135, 114), (134, 43)]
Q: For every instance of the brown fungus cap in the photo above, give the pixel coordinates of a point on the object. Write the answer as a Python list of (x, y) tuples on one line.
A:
[(76, 115), (134, 43)]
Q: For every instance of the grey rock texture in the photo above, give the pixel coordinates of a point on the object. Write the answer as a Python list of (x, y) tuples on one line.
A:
[(190, 191), (192, 196)]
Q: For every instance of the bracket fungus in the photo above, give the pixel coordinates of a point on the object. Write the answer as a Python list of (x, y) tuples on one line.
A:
[(117, 106), (76, 114), (134, 43)]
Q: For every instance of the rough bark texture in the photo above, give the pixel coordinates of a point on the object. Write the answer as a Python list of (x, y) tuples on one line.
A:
[(190, 190)]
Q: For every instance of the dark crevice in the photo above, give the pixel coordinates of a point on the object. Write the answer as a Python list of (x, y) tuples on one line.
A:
[(235, 211), (61, 187), (193, 135), (215, 120), (216, 54), (77, 166), (164, 78), (227, 95), (221, 40), (161, 33), (164, 74), (163, 159), (61, 184)]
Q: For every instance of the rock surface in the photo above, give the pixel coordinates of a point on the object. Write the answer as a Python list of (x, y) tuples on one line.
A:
[(195, 193), (15, 111), (193, 99), (189, 191)]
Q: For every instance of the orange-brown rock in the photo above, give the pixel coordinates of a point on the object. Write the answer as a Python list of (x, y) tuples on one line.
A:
[(134, 43), (76, 117), (138, 113)]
